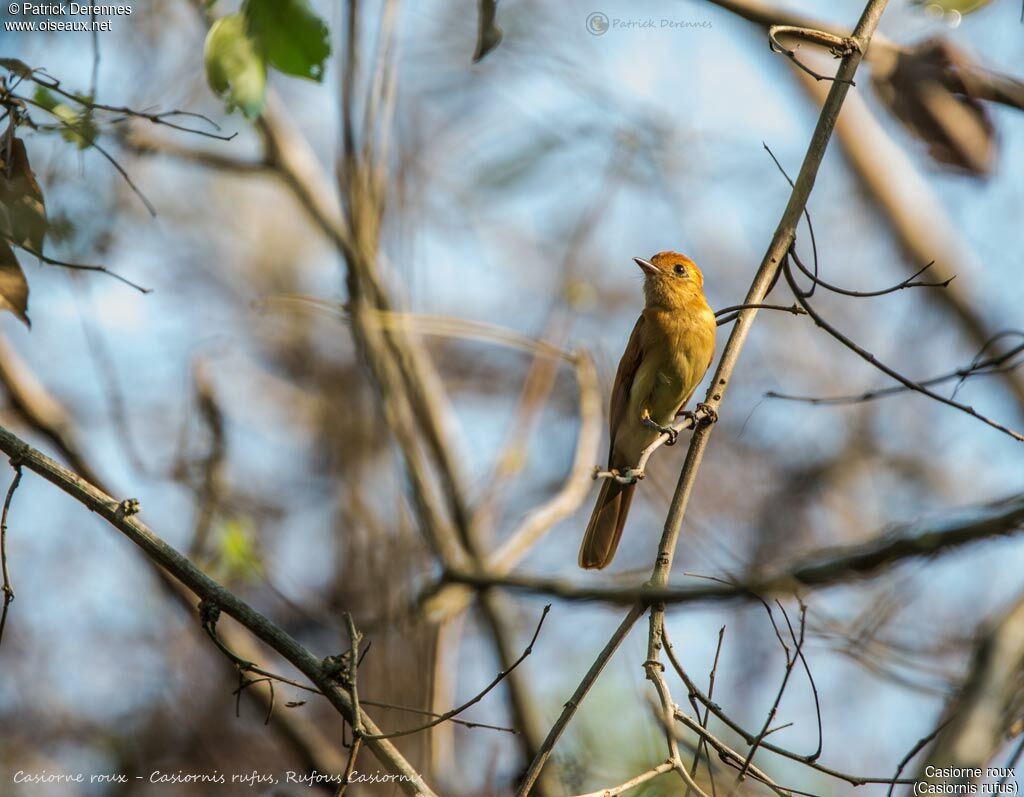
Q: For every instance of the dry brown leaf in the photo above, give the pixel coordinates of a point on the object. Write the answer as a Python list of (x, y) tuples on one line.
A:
[(13, 285), (22, 206), (929, 89)]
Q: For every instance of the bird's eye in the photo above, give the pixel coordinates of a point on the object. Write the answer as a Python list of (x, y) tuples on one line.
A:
[(680, 269)]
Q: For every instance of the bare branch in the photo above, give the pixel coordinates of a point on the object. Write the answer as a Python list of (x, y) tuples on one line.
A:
[(41, 78), (979, 366), (869, 357), (729, 314), (7, 588), (819, 569), (81, 267), (907, 283), (837, 45), (726, 754), (476, 698), (766, 274), (632, 783), (183, 570), (749, 738)]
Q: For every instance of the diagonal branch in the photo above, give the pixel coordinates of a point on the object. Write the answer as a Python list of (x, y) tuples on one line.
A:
[(478, 696), (979, 366), (871, 358), (119, 515), (909, 204), (781, 241)]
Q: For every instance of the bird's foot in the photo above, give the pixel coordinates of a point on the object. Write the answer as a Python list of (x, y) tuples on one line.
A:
[(630, 475), (710, 415), (650, 423), (624, 476), (689, 415)]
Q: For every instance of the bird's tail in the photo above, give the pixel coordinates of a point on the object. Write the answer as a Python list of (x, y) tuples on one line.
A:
[(605, 527)]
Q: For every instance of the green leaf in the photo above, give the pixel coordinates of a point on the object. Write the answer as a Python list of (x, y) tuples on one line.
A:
[(293, 38), (16, 67), (44, 97), (79, 128), (22, 206), (235, 68), (13, 285)]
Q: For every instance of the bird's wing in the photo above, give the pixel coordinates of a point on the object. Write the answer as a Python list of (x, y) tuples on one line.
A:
[(624, 376)]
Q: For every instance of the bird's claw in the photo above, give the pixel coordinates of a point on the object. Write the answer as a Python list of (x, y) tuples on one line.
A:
[(672, 433), (689, 415), (710, 415), (630, 475), (624, 476)]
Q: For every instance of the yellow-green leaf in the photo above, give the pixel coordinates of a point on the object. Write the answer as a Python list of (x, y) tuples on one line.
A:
[(960, 6), (237, 551), (77, 127), (235, 68)]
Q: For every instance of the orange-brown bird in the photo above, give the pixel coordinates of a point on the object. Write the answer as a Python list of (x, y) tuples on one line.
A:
[(667, 355)]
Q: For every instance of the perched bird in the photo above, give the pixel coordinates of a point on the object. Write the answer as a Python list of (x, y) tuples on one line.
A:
[(667, 355)]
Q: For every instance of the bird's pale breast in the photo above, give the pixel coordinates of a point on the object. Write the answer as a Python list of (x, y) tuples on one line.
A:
[(676, 355)]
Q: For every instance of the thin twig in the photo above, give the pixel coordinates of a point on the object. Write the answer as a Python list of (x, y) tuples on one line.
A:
[(81, 267), (729, 314), (728, 755), (477, 697), (127, 178), (810, 678), (350, 767), (902, 285), (870, 358), (135, 143), (917, 748), (839, 46), (52, 84), (577, 697), (702, 743), (791, 660), (632, 783), (245, 684), (8, 588), (353, 673), (1011, 764), (807, 218), (978, 367), (748, 737), (639, 471), (665, 709), (425, 713)]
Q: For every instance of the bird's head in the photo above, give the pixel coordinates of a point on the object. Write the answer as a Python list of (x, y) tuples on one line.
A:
[(670, 279)]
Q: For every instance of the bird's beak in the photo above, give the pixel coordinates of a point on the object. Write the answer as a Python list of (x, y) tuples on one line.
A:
[(647, 266)]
